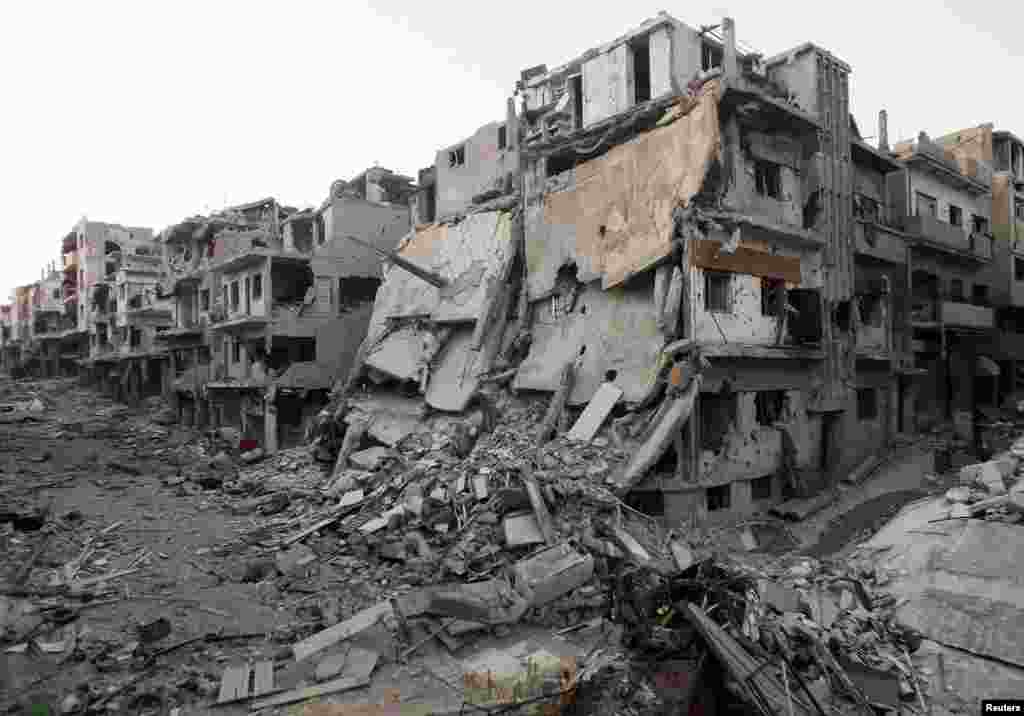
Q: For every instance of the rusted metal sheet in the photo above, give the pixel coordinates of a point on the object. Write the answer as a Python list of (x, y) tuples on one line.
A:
[(706, 255), (472, 256), (616, 330), (616, 220)]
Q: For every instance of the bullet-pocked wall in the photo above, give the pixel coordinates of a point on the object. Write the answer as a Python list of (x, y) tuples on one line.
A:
[(485, 162)]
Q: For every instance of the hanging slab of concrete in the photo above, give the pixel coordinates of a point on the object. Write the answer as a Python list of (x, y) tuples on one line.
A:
[(615, 330), (398, 355), (454, 381), (595, 413)]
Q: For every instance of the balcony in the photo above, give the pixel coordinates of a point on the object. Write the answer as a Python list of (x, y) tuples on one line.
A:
[(939, 232), (967, 315)]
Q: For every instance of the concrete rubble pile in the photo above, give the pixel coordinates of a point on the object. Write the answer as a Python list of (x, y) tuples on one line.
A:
[(993, 490)]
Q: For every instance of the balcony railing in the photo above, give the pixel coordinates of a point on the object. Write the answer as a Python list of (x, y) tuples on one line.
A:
[(967, 315), (939, 232)]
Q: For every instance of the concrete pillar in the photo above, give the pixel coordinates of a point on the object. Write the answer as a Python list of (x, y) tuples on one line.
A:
[(883, 131), (729, 64), (270, 421)]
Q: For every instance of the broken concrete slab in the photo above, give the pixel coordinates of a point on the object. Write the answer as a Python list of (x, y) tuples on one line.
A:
[(594, 415), (370, 459), (800, 509), (398, 355), (454, 379), (616, 331), (521, 530), (552, 572), (296, 561), (359, 622), (782, 598), (493, 601)]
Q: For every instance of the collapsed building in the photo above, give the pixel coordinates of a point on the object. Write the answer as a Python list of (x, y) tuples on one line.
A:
[(677, 209), (270, 304)]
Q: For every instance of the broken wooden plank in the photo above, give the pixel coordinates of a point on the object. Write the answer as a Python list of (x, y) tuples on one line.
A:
[(706, 254), (594, 414), (540, 510), (361, 621)]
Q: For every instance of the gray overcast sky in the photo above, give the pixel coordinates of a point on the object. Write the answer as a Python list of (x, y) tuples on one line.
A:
[(142, 113)]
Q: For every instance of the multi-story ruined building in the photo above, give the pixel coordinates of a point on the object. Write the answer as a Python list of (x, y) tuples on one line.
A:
[(266, 295), (47, 311), (119, 271), (681, 196), (7, 360), (945, 206)]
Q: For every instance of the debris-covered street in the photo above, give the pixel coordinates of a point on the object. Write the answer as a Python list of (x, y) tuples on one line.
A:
[(155, 569)]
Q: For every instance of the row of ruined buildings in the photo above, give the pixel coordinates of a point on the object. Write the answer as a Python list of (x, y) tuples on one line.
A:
[(661, 197)]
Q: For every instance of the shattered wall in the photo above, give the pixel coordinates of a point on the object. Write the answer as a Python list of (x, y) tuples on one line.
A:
[(780, 150), (608, 76), (612, 216), (614, 333), (249, 304), (745, 320), (445, 337), (473, 256), (485, 162), (380, 224), (338, 339)]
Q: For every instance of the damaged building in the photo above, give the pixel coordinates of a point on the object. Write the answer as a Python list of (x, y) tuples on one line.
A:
[(704, 234), (270, 304), (120, 272), (945, 207), (660, 245)]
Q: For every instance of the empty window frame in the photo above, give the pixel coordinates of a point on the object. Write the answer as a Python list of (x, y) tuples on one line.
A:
[(867, 403), (204, 299), (641, 50), (257, 287), (717, 414), (457, 156), (768, 178), (926, 205), (710, 56), (1018, 269), (761, 488), (865, 208), (956, 289), (718, 292), (979, 224), (956, 215), (719, 497), (236, 351), (768, 406), (235, 295), (773, 296), (979, 294), (576, 84), (870, 306), (502, 137)]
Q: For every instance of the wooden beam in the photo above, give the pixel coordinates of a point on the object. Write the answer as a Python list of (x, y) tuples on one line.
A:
[(705, 254)]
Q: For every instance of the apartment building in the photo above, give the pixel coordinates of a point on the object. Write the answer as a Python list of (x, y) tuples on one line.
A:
[(271, 303), (7, 358), (119, 272), (46, 324), (946, 212)]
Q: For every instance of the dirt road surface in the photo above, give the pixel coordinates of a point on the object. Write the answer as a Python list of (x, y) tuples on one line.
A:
[(114, 494)]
